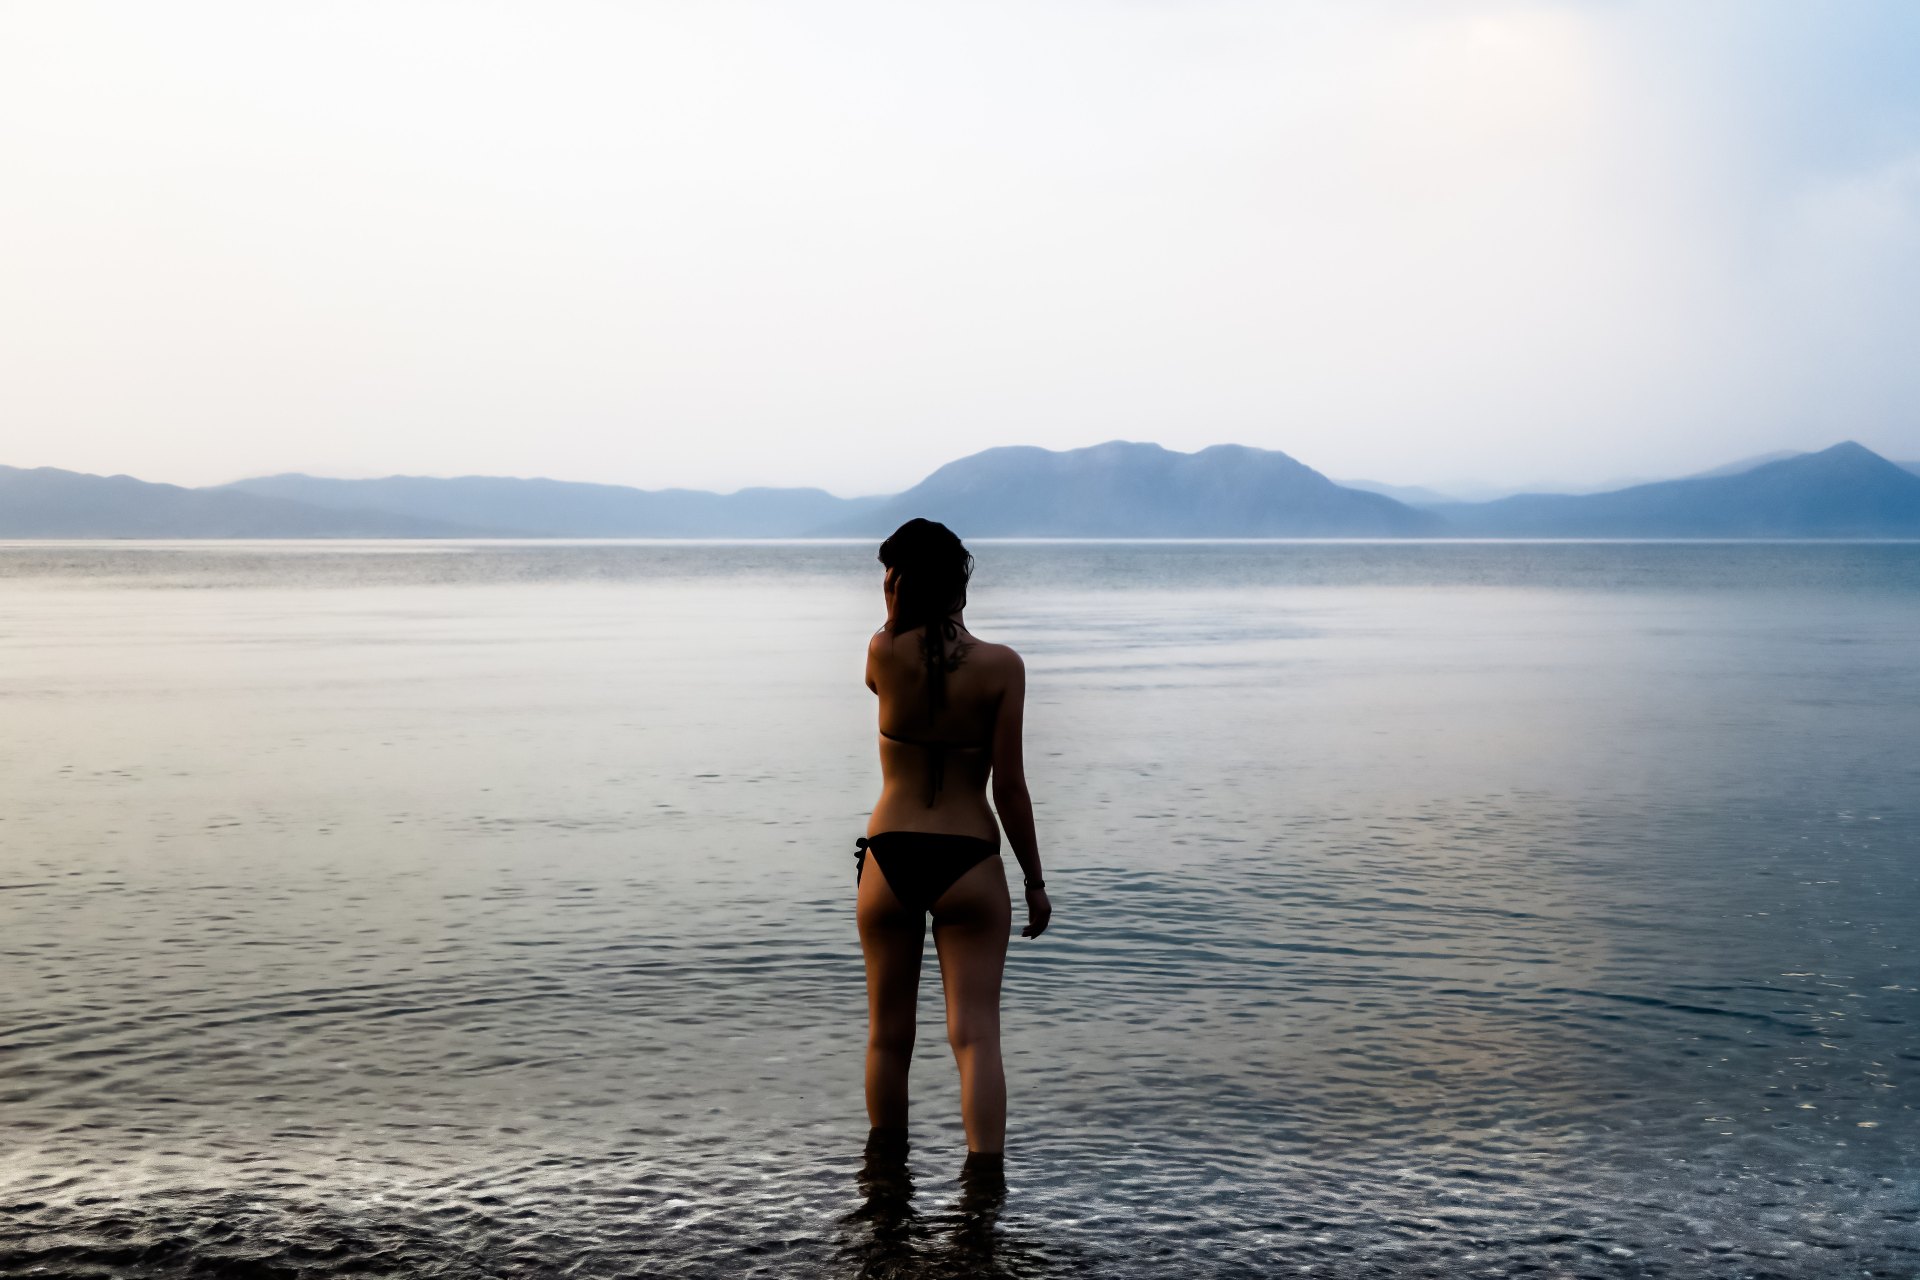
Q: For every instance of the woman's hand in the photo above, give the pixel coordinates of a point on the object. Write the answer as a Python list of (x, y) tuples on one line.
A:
[(1039, 912)]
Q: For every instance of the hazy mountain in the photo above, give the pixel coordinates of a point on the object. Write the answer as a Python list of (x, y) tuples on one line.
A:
[(567, 509), (1746, 464), (1124, 490), (1476, 491), (1845, 491), (1413, 495), (1489, 493), (1116, 490), (48, 503)]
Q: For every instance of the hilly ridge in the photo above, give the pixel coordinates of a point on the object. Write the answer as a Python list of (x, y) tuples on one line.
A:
[(1841, 492), (1124, 489), (1119, 489), (46, 502), (506, 506)]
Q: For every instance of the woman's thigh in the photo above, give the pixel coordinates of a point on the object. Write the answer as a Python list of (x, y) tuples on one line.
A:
[(891, 940), (971, 923)]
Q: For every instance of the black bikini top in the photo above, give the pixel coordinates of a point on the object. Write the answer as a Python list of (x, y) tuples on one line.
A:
[(936, 749)]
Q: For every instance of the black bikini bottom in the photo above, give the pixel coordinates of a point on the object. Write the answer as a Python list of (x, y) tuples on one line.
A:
[(921, 865)]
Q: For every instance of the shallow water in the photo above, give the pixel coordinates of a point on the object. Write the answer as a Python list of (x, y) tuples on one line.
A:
[(1422, 909)]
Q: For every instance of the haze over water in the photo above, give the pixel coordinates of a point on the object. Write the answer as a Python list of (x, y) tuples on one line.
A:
[(486, 910)]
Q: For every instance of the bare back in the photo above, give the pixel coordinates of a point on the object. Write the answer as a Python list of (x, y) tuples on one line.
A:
[(935, 764)]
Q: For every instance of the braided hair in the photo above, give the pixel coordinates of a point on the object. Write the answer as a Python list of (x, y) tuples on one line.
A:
[(933, 567)]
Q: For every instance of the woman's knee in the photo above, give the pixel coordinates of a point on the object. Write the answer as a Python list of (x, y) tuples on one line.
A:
[(973, 1031), (891, 1037)]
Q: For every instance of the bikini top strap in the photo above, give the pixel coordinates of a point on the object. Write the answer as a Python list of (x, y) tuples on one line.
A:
[(937, 744)]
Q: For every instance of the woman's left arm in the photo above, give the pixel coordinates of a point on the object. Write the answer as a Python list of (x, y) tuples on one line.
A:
[(1011, 800)]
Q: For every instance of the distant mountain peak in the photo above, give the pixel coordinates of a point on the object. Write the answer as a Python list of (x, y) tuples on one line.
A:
[(1849, 457), (1125, 488), (1843, 491)]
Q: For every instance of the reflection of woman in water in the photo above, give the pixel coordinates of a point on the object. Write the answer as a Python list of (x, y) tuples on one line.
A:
[(950, 714)]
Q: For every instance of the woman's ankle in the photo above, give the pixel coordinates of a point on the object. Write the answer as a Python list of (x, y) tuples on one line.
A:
[(887, 1139)]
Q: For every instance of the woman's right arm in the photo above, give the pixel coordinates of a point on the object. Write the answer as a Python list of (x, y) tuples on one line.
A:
[(1011, 799)]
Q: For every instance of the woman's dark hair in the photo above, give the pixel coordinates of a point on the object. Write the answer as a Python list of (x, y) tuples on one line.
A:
[(933, 567)]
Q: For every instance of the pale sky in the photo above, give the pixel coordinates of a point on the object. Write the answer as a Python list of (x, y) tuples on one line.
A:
[(715, 243)]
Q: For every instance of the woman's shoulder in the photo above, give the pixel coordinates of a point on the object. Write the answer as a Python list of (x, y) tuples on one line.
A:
[(999, 657), (884, 644)]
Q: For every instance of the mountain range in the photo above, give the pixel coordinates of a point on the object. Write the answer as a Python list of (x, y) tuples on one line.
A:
[(1114, 490), (1848, 491)]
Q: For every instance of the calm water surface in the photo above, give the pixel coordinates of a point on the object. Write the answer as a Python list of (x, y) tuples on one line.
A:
[(487, 910)]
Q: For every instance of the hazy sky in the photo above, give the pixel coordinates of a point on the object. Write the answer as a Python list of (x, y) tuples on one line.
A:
[(817, 242)]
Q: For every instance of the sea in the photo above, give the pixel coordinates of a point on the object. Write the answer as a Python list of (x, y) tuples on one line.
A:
[(485, 909)]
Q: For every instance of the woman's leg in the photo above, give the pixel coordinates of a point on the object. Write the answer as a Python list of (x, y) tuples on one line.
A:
[(970, 926), (891, 938)]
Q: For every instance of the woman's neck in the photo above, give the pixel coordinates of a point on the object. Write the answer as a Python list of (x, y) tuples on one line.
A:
[(955, 618)]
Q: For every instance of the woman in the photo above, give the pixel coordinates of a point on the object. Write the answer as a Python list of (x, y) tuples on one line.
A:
[(950, 714)]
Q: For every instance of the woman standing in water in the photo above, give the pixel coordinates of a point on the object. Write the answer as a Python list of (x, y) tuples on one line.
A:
[(950, 714)]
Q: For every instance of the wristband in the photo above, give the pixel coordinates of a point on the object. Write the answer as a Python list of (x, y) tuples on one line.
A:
[(1037, 884)]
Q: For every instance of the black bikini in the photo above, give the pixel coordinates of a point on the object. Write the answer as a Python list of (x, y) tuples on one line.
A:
[(922, 865)]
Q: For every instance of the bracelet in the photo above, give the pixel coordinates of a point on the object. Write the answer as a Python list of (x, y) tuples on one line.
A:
[(1037, 884)]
